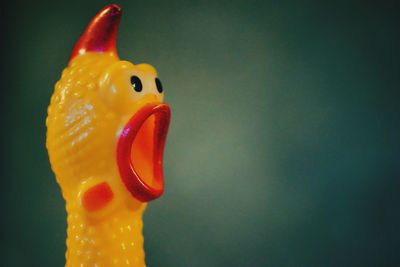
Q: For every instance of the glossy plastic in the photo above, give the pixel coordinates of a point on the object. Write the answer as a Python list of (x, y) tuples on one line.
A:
[(105, 142), (101, 33), (140, 188)]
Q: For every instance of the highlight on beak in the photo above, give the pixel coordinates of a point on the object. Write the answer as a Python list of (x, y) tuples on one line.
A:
[(101, 33)]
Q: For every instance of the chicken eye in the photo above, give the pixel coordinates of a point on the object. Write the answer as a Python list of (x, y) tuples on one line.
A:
[(136, 83), (159, 86)]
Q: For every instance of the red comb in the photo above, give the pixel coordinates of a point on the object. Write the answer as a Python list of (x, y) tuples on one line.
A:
[(101, 33)]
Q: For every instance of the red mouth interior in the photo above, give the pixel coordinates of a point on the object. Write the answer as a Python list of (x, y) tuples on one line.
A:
[(144, 152), (140, 151)]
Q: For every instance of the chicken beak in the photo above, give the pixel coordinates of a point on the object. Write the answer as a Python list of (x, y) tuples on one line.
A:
[(140, 151)]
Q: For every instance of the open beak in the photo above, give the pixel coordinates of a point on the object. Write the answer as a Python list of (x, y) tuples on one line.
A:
[(140, 151)]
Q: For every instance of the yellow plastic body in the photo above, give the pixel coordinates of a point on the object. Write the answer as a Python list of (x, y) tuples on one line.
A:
[(91, 104)]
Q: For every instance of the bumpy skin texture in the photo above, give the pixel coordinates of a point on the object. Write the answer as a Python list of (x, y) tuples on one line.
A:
[(94, 106), (77, 137), (81, 141)]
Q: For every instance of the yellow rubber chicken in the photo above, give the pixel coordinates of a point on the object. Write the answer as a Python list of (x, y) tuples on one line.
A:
[(106, 130)]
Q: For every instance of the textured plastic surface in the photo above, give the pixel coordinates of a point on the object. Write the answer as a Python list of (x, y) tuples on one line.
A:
[(94, 112)]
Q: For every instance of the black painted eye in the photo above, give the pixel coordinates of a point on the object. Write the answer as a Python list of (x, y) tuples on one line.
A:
[(159, 85), (136, 83)]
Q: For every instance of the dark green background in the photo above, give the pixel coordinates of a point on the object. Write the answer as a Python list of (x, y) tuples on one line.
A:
[(284, 148)]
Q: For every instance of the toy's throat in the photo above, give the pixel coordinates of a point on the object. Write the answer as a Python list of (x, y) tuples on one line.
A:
[(115, 241), (140, 151)]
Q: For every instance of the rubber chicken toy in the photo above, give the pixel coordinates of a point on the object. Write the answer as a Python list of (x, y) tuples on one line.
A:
[(106, 130)]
